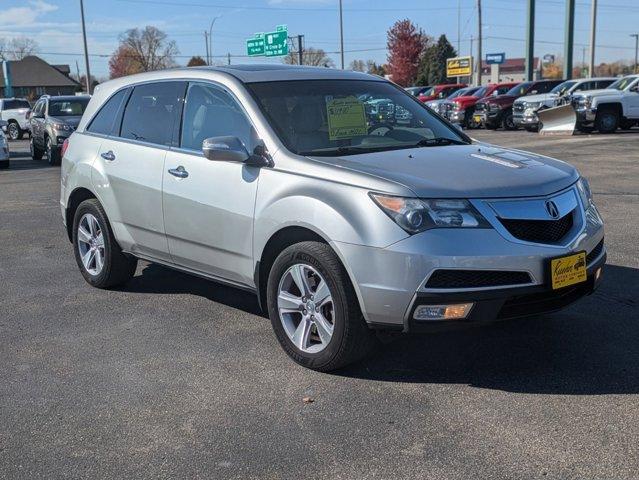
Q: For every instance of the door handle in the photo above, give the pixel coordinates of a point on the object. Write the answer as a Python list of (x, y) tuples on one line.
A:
[(179, 172), (110, 156)]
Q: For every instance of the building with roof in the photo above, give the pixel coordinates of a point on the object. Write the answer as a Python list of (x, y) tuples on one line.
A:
[(512, 70), (32, 77)]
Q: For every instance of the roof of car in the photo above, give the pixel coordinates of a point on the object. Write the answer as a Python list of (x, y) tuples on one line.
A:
[(281, 72), (65, 97)]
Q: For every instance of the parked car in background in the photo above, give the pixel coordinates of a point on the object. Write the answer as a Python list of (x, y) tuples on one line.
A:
[(14, 112), (272, 179), (497, 111), (461, 109), (439, 91), (610, 108), (435, 104), (4, 146), (416, 91), (525, 109), (53, 120)]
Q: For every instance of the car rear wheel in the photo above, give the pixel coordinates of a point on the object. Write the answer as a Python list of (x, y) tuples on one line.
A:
[(99, 257), (607, 121), (36, 153), (14, 131), (313, 308)]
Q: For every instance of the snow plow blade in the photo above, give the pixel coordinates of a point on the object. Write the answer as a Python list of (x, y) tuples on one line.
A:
[(560, 120)]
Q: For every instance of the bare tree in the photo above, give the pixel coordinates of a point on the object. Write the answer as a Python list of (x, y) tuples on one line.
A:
[(150, 48), (315, 57), (357, 66), (17, 48)]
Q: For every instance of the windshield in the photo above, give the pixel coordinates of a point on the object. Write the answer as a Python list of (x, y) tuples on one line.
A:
[(463, 92), (414, 90), (562, 88), (347, 117), (67, 108), (622, 83), (519, 90), (428, 92), (480, 93)]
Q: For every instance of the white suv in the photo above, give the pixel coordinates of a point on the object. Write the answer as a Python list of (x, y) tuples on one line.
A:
[(281, 181), (14, 112)]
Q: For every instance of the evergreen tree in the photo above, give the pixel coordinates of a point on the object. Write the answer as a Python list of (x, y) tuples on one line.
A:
[(432, 66)]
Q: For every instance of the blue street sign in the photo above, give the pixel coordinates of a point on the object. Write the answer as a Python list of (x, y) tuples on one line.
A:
[(495, 58)]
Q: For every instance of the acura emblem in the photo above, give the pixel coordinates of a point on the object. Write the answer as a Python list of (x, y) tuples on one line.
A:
[(552, 209)]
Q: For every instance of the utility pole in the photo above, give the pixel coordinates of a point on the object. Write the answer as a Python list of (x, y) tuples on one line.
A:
[(300, 52), (530, 41), (206, 45), (636, 35), (478, 82), (593, 29), (570, 37), (86, 51), (210, 41), (341, 35), (459, 27)]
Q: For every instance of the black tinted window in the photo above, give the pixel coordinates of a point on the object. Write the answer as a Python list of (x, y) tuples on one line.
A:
[(15, 104), (68, 108), (152, 112), (104, 121), (212, 112)]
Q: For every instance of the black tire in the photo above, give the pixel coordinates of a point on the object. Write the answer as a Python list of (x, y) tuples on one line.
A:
[(352, 340), (36, 153), (118, 268), (14, 131), (508, 122), (52, 154), (607, 121)]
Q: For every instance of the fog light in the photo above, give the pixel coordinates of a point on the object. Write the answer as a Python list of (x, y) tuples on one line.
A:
[(442, 312)]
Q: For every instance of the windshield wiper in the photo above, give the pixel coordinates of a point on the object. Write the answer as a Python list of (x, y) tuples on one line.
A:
[(348, 149), (438, 141)]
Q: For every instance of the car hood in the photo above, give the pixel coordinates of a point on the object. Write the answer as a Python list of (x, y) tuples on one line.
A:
[(542, 97), (72, 121), (464, 171), (500, 99), (604, 92), (465, 99)]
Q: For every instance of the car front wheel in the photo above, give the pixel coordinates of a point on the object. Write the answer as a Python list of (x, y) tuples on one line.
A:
[(607, 121), (101, 261), (314, 310), (36, 153), (52, 154)]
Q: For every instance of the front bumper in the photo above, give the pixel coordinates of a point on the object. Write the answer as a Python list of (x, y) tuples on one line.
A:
[(456, 116), (490, 117), (529, 119), (391, 281), (586, 115)]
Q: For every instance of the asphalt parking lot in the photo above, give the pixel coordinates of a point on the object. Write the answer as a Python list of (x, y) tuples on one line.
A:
[(173, 376)]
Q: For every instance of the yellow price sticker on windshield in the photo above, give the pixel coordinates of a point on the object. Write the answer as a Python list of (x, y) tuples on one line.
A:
[(346, 118)]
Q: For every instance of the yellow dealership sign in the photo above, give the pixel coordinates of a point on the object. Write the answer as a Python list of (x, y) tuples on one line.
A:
[(459, 67)]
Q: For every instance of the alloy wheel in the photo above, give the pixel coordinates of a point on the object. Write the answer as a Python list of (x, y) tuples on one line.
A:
[(14, 131), (91, 244), (305, 307)]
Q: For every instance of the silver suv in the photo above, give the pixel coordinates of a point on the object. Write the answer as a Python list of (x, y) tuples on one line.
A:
[(278, 180)]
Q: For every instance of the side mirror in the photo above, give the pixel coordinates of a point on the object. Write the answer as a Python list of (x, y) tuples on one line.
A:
[(231, 149)]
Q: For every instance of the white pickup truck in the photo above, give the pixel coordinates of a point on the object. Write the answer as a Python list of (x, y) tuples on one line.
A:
[(14, 112), (610, 108)]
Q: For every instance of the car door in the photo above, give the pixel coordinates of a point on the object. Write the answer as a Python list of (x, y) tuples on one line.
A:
[(37, 123), (130, 166), (209, 205), (631, 100)]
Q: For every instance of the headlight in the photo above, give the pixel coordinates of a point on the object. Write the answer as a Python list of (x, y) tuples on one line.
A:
[(532, 105), (61, 126), (584, 192), (585, 101), (416, 215)]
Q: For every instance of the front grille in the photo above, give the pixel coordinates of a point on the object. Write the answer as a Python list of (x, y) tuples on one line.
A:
[(480, 107), (532, 304), (476, 278), (539, 231), (594, 253), (518, 108)]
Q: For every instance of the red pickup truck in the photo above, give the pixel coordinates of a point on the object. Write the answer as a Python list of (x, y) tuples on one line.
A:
[(440, 91), (461, 109)]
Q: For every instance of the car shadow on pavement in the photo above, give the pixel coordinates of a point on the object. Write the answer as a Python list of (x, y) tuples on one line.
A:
[(591, 348), (162, 280)]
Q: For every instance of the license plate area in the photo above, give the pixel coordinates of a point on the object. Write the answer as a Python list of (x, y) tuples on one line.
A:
[(567, 270)]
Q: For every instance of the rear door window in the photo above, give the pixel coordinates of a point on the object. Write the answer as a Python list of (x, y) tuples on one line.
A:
[(15, 104), (153, 112), (105, 121)]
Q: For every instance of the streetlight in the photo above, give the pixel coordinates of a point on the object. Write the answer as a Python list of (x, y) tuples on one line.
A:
[(636, 35), (210, 39)]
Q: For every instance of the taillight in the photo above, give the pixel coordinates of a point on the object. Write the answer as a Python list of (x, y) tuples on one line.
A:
[(65, 145)]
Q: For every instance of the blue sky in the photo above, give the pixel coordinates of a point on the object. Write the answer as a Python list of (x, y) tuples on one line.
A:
[(55, 25)]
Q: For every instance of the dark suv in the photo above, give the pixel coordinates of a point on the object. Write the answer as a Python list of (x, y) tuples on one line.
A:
[(497, 111), (53, 120)]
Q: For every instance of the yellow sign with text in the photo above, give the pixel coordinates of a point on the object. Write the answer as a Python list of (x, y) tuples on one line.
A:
[(346, 118), (459, 67), (566, 271)]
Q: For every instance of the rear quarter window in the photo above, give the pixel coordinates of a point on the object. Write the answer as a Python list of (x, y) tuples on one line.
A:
[(105, 121)]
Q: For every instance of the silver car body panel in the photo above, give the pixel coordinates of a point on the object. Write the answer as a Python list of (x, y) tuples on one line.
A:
[(217, 221)]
